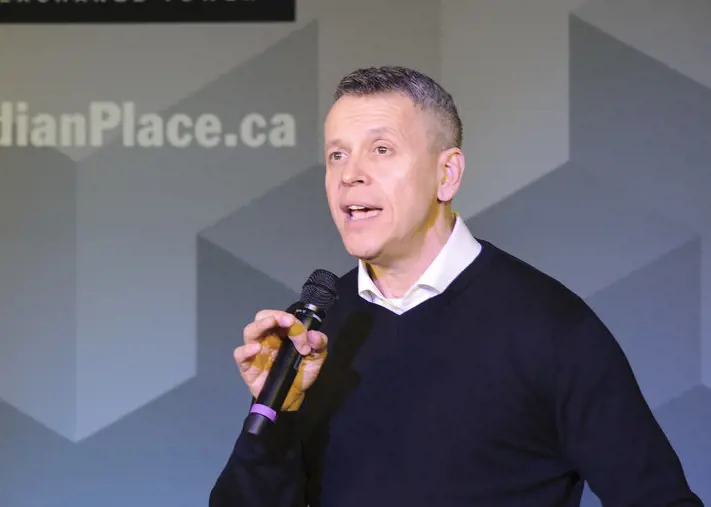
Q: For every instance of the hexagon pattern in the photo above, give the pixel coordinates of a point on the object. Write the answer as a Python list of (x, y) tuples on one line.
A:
[(110, 255), (128, 275)]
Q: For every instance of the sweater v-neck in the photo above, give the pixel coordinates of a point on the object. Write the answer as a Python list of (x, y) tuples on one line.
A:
[(428, 308)]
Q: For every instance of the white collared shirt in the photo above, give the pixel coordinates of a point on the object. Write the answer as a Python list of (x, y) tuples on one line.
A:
[(458, 252)]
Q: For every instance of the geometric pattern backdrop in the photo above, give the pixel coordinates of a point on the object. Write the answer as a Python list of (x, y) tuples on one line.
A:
[(127, 273)]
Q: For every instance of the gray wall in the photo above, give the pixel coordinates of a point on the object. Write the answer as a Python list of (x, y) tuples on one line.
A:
[(128, 271)]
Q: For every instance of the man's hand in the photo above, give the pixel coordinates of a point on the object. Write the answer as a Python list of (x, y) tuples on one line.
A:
[(262, 339)]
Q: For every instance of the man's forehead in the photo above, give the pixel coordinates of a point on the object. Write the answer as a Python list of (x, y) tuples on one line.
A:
[(376, 113), (341, 127), (366, 132)]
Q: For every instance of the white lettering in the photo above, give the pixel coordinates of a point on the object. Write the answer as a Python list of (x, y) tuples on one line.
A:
[(172, 133), (150, 133), (6, 124), (129, 124), (208, 130), (72, 130), (247, 130), (284, 131), (21, 124), (21, 127), (103, 116), (44, 131)]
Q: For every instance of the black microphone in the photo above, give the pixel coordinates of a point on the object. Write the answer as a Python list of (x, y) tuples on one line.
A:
[(318, 293)]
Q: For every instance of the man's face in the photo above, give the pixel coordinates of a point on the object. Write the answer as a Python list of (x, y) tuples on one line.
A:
[(381, 175)]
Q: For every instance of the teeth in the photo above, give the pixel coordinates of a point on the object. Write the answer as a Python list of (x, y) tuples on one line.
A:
[(355, 208), (362, 213)]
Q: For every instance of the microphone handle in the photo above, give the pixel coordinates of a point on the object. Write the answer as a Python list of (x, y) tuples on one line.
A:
[(264, 412)]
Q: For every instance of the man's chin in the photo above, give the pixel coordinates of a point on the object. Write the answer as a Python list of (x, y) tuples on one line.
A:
[(362, 252)]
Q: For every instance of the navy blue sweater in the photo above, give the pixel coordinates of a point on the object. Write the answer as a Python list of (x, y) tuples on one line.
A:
[(504, 391)]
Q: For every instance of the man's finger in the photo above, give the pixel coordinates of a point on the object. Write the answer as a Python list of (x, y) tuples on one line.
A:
[(255, 331), (261, 314), (317, 341), (278, 314), (297, 328), (246, 352), (297, 334)]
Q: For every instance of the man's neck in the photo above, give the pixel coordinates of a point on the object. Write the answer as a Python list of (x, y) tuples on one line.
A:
[(394, 279)]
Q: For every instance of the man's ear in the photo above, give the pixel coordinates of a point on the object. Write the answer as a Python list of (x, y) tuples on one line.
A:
[(450, 171)]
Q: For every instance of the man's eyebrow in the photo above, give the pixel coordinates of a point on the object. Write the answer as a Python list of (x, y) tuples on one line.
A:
[(333, 143)]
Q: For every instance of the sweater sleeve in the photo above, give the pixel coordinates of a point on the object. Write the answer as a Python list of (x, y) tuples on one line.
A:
[(607, 429), (265, 471)]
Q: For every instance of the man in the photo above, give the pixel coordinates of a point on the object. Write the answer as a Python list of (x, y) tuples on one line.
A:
[(449, 373)]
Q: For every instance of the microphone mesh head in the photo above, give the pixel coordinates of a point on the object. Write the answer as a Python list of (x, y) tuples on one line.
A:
[(320, 289)]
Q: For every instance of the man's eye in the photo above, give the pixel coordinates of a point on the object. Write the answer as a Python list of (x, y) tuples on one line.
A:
[(336, 155), (382, 150)]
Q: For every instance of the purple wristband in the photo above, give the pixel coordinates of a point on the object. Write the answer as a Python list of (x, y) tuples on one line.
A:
[(264, 410)]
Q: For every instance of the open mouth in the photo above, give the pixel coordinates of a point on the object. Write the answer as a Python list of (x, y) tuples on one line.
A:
[(357, 212)]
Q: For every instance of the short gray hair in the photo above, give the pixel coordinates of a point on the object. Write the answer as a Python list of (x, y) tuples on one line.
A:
[(420, 88)]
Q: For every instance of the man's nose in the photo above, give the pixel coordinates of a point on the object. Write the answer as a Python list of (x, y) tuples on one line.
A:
[(354, 172)]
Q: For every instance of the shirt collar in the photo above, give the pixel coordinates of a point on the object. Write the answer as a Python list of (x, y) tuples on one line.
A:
[(458, 252)]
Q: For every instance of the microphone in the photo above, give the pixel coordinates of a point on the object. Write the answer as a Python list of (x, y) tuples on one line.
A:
[(318, 293)]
